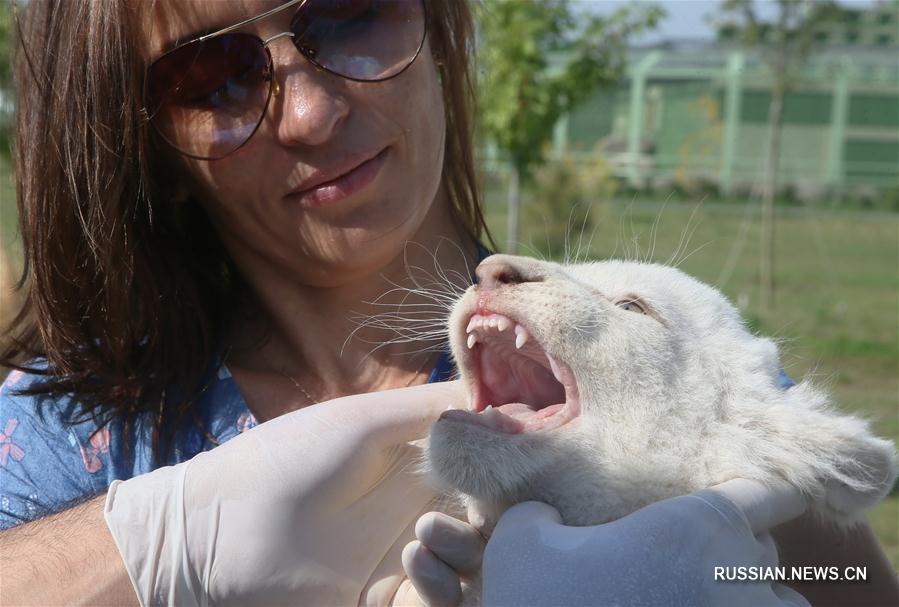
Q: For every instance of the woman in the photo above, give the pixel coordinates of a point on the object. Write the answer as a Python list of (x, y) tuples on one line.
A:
[(208, 192)]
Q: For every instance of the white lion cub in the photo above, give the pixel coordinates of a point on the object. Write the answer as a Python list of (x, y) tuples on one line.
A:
[(602, 387)]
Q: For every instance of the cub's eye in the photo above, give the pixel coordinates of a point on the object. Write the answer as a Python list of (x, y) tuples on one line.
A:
[(631, 305)]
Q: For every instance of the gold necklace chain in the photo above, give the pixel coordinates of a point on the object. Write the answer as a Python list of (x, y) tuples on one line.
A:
[(312, 401), (298, 385)]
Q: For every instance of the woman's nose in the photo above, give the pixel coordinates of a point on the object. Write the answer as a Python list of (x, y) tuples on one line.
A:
[(310, 107)]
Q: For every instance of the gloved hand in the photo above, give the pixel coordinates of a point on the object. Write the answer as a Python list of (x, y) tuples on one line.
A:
[(444, 551), (663, 554), (313, 507)]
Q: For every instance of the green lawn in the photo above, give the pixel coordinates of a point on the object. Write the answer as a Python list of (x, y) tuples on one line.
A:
[(836, 296)]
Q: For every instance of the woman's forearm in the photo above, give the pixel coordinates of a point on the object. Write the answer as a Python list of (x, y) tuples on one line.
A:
[(65, 559), (806, 541)]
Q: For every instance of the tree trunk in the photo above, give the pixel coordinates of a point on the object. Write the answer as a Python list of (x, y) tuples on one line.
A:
[(766, 244), (514, 205)]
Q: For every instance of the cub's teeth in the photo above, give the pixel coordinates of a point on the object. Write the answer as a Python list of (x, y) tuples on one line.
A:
[(503, 323), (555, 367), (521, 336), (472, 340), (471, 325), (488, 408)]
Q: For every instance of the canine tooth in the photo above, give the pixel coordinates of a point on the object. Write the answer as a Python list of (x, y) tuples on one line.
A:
[(521, 336), (472, 340), (471, 324), (555, 367), (503, 323), (488, 408)]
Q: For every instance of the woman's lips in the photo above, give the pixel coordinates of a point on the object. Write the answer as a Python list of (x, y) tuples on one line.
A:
[(344, 186)]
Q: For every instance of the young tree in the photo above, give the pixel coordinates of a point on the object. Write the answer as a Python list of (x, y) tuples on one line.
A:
[(6, 92), (783, 44), (539, 59)]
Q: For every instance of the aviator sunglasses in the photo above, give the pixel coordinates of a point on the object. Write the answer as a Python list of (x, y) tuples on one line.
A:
[(207, 97)]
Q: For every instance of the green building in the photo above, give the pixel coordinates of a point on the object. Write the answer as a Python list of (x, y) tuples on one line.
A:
[(698, 110)]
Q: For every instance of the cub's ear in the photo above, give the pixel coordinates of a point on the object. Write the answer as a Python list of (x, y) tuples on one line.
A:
[(864, 475), (833, 457)]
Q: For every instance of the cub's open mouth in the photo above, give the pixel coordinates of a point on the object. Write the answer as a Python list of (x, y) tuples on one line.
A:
[(518, 386)]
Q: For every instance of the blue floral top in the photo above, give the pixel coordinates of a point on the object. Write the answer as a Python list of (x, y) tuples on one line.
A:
[(47, 465)]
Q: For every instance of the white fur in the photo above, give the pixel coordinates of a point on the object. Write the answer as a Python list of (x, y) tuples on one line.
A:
[(671, 403)]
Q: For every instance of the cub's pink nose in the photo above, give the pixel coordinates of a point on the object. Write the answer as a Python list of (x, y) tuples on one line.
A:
[(498, 270)]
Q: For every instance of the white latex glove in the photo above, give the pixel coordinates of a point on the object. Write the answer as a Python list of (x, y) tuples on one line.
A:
[(445, 551), (664, 554), (313, 507)]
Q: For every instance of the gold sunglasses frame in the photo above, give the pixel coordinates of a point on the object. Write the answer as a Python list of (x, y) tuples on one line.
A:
[(274, 86)]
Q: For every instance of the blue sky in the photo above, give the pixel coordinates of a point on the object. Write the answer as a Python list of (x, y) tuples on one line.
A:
[(686, 18)]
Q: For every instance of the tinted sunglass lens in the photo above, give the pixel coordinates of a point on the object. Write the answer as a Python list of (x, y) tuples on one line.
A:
[(206, 99), (360, 39)]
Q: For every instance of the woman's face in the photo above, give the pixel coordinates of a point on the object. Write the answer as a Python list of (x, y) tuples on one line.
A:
[(379, 146)]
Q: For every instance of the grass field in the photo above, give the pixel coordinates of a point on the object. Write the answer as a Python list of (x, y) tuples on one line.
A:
[(836, 309), (837, 288)]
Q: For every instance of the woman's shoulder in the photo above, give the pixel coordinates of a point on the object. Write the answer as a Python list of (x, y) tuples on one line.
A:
[(24, 400), (46, 462), (53, 456), (24, 403), (22, 394)]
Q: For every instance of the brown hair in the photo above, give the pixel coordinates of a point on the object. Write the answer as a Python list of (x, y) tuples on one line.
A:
[(123, 290)]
